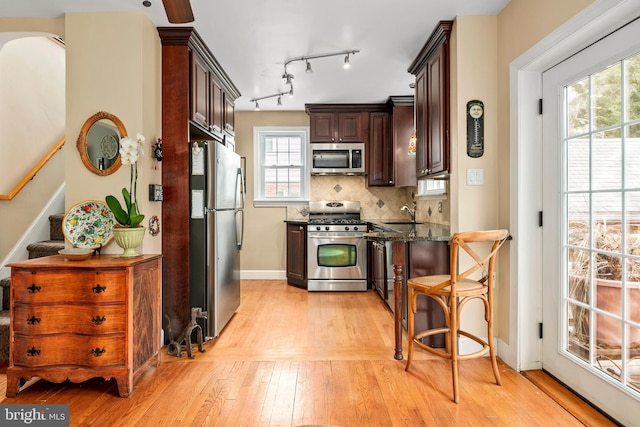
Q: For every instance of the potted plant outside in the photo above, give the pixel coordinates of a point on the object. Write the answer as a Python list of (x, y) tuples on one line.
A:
[(608, 270)]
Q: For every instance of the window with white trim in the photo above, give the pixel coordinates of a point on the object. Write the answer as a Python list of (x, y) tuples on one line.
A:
[(281, 173)]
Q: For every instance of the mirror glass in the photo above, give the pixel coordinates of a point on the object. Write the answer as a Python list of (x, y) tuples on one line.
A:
[(99, 143)]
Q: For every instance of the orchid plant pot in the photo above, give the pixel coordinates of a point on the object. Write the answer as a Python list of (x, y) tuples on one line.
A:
[(129, 239)]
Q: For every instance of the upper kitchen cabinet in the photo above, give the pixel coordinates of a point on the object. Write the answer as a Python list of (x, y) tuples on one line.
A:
[(212, 103), (197, 96), (431, 68), (332, 123), (402, 126), (389, 161), (380, 173)]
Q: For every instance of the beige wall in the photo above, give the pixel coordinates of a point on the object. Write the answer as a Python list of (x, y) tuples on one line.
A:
[(521, 25), (264, 246), (473, 77), (28, 133), (113, 65)]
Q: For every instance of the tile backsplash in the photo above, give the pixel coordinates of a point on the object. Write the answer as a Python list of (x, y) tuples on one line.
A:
[(377, 203)]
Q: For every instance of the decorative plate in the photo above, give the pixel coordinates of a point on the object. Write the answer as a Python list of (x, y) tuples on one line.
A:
[(88, 224), (109, 146)]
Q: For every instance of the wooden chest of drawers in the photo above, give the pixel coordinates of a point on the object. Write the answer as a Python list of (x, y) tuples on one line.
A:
[(75, 320)]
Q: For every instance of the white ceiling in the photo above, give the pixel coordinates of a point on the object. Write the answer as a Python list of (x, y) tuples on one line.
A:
[(252, 39)]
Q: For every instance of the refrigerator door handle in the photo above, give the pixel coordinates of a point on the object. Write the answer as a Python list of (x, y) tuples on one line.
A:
[(240, 240), (240, 184)]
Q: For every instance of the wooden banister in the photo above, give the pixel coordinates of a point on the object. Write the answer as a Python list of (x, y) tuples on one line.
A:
[(29, 176)]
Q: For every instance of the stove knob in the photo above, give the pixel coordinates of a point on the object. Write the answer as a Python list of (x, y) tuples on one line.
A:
[(318, 228), (327, 228), (346, 228), (355, 228)]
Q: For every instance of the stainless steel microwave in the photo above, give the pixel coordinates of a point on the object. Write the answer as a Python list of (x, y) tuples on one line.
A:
[(337, 158)]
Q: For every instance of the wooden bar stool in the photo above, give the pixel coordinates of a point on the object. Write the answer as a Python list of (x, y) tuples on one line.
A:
[(452, 291)]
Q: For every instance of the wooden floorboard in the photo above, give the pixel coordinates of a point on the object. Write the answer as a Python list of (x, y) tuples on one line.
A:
[(293, 358)]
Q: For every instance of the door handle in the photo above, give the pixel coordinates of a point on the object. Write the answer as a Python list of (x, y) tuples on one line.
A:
[(241, 240)]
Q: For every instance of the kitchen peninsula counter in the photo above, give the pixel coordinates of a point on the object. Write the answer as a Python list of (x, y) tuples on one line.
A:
[(401, 236), (408, 232)]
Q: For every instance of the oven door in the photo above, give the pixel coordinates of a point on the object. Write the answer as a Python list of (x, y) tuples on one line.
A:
[(335, 257)]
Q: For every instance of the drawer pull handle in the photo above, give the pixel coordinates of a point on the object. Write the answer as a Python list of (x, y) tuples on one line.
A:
[(33, 288), (33, 320), (98, 320), (33, 352), (97, 352), (99, 288)]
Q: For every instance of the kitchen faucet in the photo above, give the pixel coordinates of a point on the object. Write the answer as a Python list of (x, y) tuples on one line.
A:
[(411, 211)]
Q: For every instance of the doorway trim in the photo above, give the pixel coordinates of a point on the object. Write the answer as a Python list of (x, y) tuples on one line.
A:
[(524, 351)]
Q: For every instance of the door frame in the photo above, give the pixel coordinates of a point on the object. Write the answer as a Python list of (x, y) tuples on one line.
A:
[(524, 351)]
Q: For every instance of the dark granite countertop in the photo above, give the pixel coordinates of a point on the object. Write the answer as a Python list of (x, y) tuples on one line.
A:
[(408, 232), (386, 231)]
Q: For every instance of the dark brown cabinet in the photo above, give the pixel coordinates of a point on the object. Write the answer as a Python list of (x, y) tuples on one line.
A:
[(402, 126), (431, 68), (380, 151), (191, 77), (217, 106), (211, 106), (426, 259), (297, 255), (337, 126), (199, 91)]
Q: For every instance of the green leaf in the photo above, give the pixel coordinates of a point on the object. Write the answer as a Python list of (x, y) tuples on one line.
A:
[(121, 216), (134, 217), (127, 198)]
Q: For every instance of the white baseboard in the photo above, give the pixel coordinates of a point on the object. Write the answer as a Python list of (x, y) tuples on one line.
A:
[(467, 345), (263, 275)]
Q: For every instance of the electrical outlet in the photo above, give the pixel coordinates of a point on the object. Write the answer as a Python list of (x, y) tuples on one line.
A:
[(439, 207)]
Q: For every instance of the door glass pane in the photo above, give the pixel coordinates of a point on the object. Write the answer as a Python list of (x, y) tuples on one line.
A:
[(632, 93), (606, 96), (601, 198)]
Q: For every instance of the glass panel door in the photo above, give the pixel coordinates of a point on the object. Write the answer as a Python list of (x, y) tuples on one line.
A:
[(591, 233)]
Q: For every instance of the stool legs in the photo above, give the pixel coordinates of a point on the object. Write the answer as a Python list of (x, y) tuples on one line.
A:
[(410, 326)]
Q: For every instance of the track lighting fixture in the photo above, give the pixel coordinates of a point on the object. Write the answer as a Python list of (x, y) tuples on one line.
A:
[(347, 64), (275, 95), (287, 77)]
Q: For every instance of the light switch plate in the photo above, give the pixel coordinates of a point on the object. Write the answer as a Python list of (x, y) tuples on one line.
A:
[(475, 176)]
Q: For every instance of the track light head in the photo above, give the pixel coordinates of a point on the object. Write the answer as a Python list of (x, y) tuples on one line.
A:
[(257, 107), (291, 92), (347, 64), (287, 78), (308, 70), (279, 100)]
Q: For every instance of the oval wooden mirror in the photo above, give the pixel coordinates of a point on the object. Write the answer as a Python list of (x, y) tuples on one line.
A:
[(99, 143)]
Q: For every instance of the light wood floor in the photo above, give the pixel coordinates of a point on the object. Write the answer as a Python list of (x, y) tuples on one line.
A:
[(292, 358)]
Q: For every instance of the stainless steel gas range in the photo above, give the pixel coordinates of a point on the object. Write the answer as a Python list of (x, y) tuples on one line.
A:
[(337, 251)]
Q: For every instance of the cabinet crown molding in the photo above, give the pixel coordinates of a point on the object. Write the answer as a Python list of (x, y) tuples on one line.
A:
[(440, 34)]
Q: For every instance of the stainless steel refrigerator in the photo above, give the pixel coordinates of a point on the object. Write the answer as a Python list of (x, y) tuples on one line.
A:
[(216, 232)]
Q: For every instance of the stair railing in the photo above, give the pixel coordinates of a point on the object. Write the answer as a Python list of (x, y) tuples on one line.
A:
[(32, 173)]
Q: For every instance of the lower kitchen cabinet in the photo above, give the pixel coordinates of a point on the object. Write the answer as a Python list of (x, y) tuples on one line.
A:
[(422, 258), (297, 255), (426, 259), (76, 320)]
